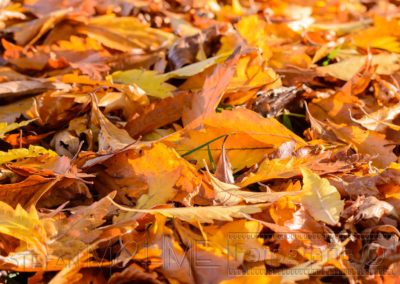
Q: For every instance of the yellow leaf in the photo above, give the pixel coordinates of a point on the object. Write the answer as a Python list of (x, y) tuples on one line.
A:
[(196, 68), (250, 72), (31, 152), (283, 210), (277, 168), (252, 279), (205, 214), (255, 37), (78, 44), (5, 127), (24, 226), (149, 81), (348, 68), (394, 165), (382, 35), (165, 173), (230, 238), (321, 199), (155, 84)]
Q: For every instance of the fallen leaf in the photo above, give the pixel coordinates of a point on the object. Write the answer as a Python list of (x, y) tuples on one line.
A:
[(30, 32), (250, 137), (16, 89), (5, 127), (110, 136), (205, 102), (371, 207), (25, 226), (229, 194), (381, 119), (196, 68), (27, 192), (321, 199), (367, 142), (206, 214), (149, 81), (387, 64), (32, 151), (158, 114), (124, 33)]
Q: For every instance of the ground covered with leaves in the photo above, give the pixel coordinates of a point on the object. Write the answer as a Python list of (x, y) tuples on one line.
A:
[(199, 141)]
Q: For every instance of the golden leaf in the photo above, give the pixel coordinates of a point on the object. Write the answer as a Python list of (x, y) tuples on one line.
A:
[(321, 199)]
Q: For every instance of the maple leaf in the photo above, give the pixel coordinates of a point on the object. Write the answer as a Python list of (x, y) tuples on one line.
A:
[(155, 177), (383, 34), (24, 225), (250, 137), (163, 181)]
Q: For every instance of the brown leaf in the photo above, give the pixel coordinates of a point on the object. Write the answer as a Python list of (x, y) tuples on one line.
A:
[(133, 273), (185, 50), (158, 114), (205, 102), (16, 89), (223, 170), (366, 142), (30, 32), (27, 192)]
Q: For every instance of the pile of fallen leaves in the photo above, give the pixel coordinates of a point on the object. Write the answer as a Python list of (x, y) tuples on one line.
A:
[(199, 141)]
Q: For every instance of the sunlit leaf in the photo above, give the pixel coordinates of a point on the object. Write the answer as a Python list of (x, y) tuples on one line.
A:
[(23, 225), (5, 127), (32, 151), (202, 214), (347, 68), (149, 81), (321, 199)]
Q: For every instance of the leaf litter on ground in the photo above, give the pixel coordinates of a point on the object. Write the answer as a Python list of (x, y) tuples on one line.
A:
[(199, 141)]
